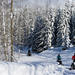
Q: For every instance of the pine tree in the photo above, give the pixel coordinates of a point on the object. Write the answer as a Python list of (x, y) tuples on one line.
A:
[(63, 27), (59, 34), (66, 12), (56, 29), (72, 24), (40, 34), (50, 15)]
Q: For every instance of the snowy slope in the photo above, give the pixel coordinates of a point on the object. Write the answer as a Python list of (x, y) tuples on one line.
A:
[(39, 64)]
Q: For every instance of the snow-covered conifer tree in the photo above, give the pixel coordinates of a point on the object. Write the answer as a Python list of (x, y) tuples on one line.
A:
[(59, 34), (72, 24), (51, 12), (66, 21), (56, 29), (63, 27), (21, 27), (41, 34)]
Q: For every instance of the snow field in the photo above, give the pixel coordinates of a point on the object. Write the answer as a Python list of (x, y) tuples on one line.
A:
[(39, 64)]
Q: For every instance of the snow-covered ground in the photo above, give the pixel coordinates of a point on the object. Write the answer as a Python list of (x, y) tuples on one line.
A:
[(40, 64)]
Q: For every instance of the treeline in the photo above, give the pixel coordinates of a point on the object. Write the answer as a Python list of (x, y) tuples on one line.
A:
[(38, 28), (43, 28)]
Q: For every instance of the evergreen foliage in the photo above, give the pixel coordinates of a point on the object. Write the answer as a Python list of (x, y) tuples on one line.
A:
[(40, 34), (37, 27)]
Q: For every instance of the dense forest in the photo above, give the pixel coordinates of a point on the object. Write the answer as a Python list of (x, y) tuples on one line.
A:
[(38, 28)]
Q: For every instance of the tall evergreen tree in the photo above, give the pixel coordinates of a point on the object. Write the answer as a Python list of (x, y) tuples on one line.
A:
[(56, 29), (63, 27), (66, 14), (50, 14), (59, 22), (72, 24), (40, 34)]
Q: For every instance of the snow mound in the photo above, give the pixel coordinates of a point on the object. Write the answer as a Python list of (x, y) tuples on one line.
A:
[(31, 69)]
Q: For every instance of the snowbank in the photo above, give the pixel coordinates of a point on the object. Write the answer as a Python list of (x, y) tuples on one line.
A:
[(31, 69)]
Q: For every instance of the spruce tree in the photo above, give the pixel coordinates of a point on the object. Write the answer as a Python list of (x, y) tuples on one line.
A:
[(40, 34), (66, 14), (59, 34)]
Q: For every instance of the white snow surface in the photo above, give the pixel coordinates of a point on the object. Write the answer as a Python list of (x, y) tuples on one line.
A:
[(39, 64)]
